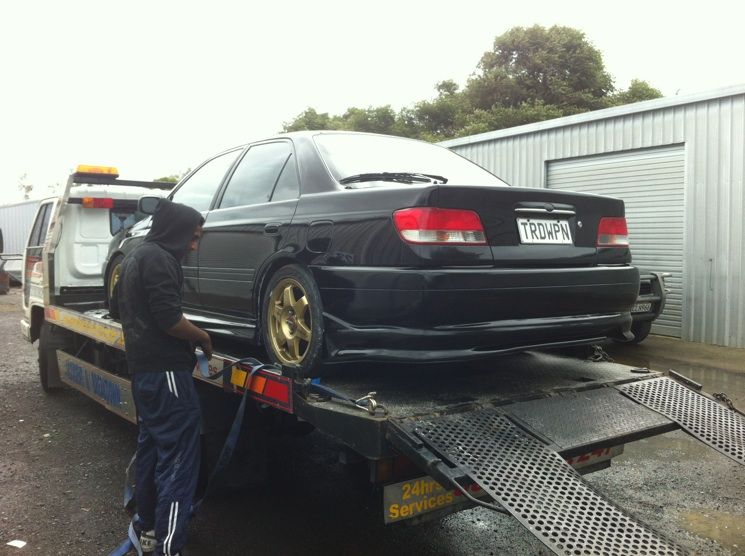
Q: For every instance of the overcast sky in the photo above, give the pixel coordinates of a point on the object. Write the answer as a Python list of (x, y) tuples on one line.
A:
[(154, 87)]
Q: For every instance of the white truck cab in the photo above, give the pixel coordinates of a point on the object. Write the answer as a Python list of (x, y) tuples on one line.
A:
[(69, 241)]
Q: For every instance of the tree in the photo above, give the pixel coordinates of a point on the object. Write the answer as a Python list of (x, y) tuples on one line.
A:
[(557, 66), (638, 91), (442, 117), (309, 119), (531, 74), (25, 187), (500, 117), (381, 119), (174, 178), (373, 120)]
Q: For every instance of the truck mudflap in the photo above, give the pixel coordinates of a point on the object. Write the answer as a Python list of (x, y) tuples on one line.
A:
[(712, 423)]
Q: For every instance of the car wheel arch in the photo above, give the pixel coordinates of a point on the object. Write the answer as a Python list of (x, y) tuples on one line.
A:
[(265, 273), (37, 320), (114, 256)]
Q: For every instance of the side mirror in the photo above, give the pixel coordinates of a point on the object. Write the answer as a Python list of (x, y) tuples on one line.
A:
[(147, 204)]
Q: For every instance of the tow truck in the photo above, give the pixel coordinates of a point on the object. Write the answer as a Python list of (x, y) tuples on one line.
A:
[(514, 434)]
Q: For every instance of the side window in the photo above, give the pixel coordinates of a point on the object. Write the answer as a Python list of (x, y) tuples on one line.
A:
[(200, 188), (254, 178), (39, 231), (45, 225), (288, 186)]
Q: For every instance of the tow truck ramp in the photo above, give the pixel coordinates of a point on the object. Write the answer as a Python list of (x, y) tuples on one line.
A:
[(517, 454), (721, 428)]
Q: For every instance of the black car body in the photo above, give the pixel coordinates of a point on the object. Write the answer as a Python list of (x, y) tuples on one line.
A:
[(394, 249)]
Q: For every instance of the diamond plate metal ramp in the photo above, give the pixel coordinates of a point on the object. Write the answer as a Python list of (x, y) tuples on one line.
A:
[(538, 487), (712, 423)]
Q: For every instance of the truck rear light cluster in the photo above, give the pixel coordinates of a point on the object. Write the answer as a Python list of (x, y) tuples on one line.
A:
[(613, 232), (436, 226), (98, 202)]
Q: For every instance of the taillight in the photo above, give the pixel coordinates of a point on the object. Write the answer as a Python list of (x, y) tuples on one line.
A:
[(98, 202), (613, 232), (37, 270), (435, 226)]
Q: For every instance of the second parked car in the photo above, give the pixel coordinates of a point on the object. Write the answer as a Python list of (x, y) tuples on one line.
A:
[(340, 246)]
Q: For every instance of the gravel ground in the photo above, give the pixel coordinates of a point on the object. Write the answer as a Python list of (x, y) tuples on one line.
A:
[(62, 459)]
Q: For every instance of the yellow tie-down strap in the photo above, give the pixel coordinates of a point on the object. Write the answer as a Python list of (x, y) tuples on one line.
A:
[(107, 332)]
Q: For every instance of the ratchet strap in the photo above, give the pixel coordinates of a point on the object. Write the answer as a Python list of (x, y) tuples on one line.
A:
[(367, 403), (226, 453)]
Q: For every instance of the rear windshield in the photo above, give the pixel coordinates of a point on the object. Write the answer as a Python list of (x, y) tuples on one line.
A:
[(120, 219), (350, 154)]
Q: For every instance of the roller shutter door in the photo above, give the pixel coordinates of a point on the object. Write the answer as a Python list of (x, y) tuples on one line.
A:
[(650, 182)]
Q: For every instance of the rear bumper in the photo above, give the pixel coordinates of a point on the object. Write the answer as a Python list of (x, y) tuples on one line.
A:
[(455, 314)]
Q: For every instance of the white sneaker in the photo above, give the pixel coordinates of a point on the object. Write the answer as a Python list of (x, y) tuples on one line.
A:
[(144, 542)]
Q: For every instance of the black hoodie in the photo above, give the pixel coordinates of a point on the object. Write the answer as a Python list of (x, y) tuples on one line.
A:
[(149, 292)]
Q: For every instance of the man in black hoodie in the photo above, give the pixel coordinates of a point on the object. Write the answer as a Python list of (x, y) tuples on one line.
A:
[(159, 344)]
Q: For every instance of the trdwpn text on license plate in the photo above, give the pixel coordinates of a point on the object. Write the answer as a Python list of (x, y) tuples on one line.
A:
[(538, 230)]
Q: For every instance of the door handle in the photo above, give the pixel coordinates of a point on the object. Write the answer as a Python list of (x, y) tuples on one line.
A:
[(271, 229)]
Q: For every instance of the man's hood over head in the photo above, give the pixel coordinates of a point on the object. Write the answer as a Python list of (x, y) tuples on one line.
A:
[(173, 227)]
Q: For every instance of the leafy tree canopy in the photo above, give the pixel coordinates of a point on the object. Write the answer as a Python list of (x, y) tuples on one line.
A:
[(531, 74), (555, 67), (170, 179), (173, 178)]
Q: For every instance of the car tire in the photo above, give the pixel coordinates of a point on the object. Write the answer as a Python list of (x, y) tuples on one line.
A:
[(50, 341), (292, 321), (112, 277), (640, 330)]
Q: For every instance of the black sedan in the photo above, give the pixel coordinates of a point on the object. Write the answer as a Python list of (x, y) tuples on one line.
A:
[(339, 246)]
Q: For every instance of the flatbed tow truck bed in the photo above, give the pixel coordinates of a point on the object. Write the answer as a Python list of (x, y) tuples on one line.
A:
[(509, 433)]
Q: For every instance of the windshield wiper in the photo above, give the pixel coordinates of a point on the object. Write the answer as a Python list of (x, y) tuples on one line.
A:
[(400, 177)]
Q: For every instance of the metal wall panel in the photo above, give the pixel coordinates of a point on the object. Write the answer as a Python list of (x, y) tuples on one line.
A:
[(651, 184), (15, 222), (711, 126)]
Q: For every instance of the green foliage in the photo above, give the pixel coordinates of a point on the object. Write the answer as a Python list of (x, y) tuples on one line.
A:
[(637, 92), (531, 74), (171, 179), (174, 178), (444, 116), (310, 119), (499, 117), (555, 66)]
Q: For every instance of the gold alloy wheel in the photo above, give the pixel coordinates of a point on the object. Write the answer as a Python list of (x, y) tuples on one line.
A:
[(289, 323), (115, 274)]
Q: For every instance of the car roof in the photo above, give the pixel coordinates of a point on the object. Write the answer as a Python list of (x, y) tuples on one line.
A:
[(307, 134)]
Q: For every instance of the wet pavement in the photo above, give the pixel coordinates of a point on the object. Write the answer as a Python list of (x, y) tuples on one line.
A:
[(718, 370), (62, 459)]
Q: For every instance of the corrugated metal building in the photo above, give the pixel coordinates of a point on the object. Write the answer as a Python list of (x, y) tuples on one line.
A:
[(15, 222), (679, 165)]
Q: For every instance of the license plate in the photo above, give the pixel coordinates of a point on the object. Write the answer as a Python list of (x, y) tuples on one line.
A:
[(537, 230), (641, 308)]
